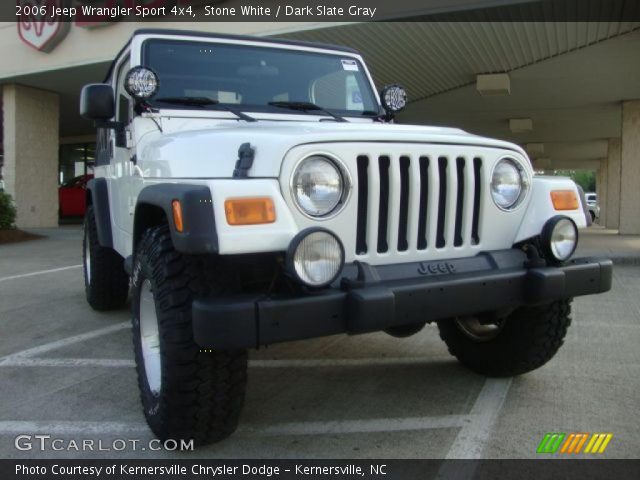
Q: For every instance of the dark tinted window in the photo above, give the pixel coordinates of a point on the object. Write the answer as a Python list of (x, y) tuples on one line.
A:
[(255, 76)]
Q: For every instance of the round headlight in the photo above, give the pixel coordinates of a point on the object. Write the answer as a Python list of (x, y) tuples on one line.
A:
[(318, 186), (507, 184), (141, 83), (560, 237), (315, 257)]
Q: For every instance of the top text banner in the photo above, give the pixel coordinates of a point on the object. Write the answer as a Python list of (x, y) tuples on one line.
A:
[(96, 12)]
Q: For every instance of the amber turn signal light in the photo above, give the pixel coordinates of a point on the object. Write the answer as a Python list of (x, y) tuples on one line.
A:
[(564, 200), (177, 215), (249, 211)]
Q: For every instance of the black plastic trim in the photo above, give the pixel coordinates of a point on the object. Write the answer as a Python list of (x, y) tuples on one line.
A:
[(97, 188), (395, 295), (199, 234)]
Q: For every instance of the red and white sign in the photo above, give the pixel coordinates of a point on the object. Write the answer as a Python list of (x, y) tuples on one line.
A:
[(38, 28), (42, 26)]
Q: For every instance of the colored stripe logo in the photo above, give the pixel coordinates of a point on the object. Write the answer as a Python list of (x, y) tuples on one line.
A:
[(574, 443)]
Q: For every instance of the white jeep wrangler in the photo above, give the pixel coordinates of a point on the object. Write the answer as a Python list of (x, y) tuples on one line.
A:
[(251, 191)]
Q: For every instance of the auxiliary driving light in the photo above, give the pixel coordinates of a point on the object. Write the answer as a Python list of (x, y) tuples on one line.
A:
[(141, 83), (394, 98), (560, 238), (315, 257)]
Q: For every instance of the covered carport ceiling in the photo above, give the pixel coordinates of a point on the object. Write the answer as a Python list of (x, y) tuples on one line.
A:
[(568, 77)]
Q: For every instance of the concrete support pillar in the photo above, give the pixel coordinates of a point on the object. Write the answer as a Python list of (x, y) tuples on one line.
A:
[(601, 190), (613, 184), (31, 125), (630, 169)]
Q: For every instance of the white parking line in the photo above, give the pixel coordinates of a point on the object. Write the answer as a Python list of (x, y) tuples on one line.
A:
[(66, 362), (21, 360), (41, 272), (47, 347), (471, 440), (358, 426), (69, 428), (278, 429)]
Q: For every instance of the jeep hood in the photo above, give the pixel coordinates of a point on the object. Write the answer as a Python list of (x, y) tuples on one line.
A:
[(211, 151)]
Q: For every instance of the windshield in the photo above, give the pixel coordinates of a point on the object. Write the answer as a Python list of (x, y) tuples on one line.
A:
[(254, 77)]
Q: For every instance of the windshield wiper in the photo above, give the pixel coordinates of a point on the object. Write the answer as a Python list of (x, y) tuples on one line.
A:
[(307, 107), (203, 102), (191, 101)]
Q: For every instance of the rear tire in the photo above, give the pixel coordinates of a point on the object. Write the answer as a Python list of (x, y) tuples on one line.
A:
[(106, 283), (525, 340), (186, 393)]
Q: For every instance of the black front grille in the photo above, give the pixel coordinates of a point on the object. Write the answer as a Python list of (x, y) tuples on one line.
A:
[(417, 203)]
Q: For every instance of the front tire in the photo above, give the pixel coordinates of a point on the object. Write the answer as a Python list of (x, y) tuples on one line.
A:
[(106, 283), (405, 331), (523, 341), (186, 393)]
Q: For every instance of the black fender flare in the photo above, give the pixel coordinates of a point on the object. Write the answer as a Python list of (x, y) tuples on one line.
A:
[(199, 234), (98, 196)]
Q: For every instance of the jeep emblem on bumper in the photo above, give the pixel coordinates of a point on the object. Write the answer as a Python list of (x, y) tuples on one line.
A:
[(439, 268)]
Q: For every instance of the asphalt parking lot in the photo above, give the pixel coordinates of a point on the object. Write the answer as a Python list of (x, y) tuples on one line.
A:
[(67, 371)]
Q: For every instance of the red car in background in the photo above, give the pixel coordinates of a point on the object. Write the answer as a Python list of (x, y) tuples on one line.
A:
[(71, 196)]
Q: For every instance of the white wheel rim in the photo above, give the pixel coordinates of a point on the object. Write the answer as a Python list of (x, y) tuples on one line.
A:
[(150, 338), (87, 257), (480, 332)]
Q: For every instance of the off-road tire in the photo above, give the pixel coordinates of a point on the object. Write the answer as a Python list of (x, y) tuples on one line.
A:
[(405, 331), (202, 392), (107, 285), (528, 339)]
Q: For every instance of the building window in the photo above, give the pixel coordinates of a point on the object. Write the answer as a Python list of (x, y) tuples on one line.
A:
[(76, 159)]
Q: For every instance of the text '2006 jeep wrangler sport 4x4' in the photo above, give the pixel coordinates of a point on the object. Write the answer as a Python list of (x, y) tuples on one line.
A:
[(251, 191)]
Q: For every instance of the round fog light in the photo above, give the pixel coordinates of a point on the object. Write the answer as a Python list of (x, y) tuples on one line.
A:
[(315, 257), (560, 236)]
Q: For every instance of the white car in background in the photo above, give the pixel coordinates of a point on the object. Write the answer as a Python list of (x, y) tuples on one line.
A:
[(592, 205)]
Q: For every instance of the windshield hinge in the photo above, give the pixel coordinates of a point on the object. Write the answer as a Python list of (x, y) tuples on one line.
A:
[(246, 154), (129, 138)]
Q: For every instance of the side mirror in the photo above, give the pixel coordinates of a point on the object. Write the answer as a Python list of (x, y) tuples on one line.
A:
[(394, 99), (97, 102)]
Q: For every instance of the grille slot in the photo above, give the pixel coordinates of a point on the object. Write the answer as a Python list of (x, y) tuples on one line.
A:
[(424, 195), (383, 222), (477, 167), (403, 243), (460, 164), (363, 195), (442, 201), (416, 203)]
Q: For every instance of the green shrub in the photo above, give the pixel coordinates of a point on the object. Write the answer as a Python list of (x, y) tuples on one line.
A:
[(7, 211)]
